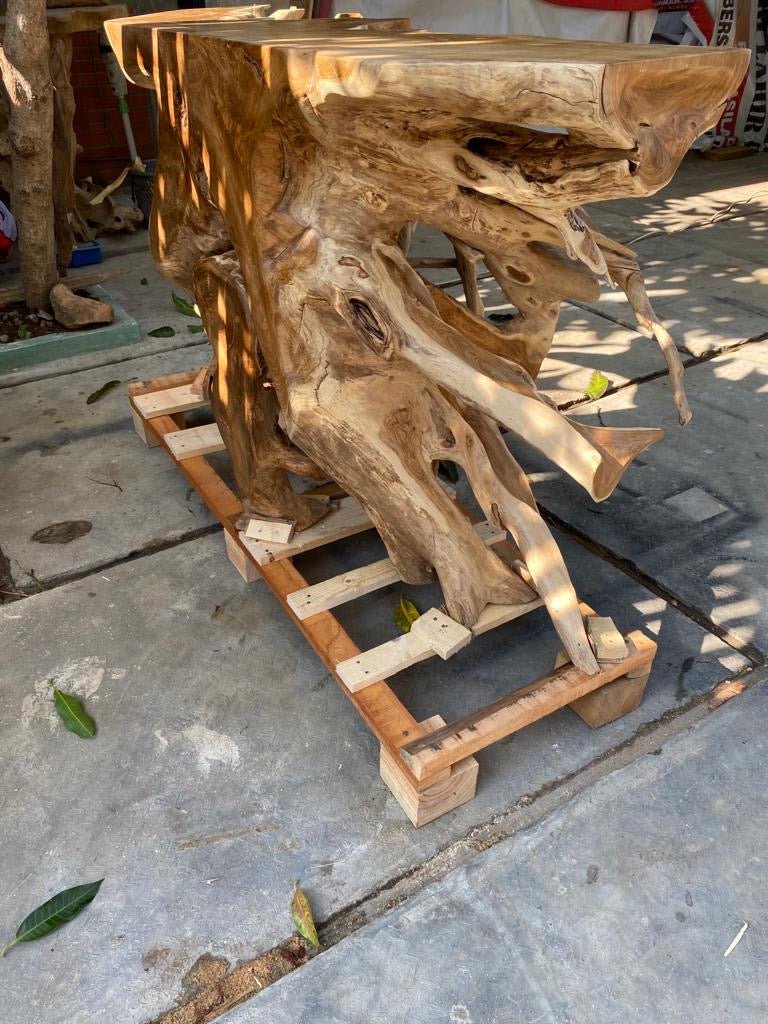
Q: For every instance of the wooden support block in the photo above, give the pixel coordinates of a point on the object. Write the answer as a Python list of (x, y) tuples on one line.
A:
[(350, 585), (514, 711), (277, 531), (615, 699), (147, 435), (607, 642), (440, 632), (240, 559), (186, 444), (345, 520), (172, 400), (451, 788)]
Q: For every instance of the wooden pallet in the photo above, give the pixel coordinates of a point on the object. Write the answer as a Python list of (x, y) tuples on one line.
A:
[(428, 765)]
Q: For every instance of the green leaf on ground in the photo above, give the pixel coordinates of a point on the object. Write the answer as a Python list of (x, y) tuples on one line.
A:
[(162, 332), (100, 392), (54, 913), (450, 470), (195, 328), (301, 912), (22, 332), (184, 307), (598, 385), (405, 614), (73, 715)]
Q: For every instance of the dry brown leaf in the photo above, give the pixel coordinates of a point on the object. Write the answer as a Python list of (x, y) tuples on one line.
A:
[(725, 691)]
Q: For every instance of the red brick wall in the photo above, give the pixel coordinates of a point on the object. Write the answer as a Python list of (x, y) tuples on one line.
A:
[(98, 124)]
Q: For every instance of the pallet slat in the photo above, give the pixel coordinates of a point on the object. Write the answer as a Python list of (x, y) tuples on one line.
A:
[(348, 586), (396, 655), (432, 633), (347, 519), (512, 712), (194, 441), (184, 398)]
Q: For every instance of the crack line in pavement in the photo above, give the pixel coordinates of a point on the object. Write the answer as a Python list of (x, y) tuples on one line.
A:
[(656, 374), (631, 569), (68, 371), (152, 548), (251, 977)]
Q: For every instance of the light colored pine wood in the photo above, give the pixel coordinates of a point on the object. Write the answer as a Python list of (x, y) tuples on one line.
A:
[(194, 441), (368, 667), (614, 700), (147, 435), (345, 520), (611, 701), (452, 787), (432, 633), (607, 642), (440, 633), (183, 398), (518, 709), (240, 559), (271, 531), (348, 586)]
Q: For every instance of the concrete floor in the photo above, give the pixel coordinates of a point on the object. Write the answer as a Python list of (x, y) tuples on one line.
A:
[(227, 762)]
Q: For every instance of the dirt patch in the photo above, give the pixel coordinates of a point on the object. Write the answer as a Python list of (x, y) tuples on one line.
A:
[(17, 323), (210, 989), (62, 533)]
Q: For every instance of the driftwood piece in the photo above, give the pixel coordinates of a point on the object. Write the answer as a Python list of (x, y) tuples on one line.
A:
[(294, 161)]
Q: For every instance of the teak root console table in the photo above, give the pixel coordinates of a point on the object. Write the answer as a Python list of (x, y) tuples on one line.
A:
[(295, 159)]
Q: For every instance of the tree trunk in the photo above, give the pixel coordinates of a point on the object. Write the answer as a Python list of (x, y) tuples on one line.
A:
[(64, 146), (24, 62)]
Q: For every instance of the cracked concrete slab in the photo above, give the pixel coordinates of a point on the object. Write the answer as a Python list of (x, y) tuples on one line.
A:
[(61, 459), (708, 300), (618, 906), (227, 763), (720, 563), (584, 342), (699, 190)]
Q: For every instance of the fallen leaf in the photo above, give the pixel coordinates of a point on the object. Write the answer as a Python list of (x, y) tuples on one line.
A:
[(598, 385), (183, 306), (405, 614), (62, 533), (725, 691), (74, 716), (22, 332), (301, 912), (195, 328), (55, 912), (100, 392), (144, 281), (162, 332)]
